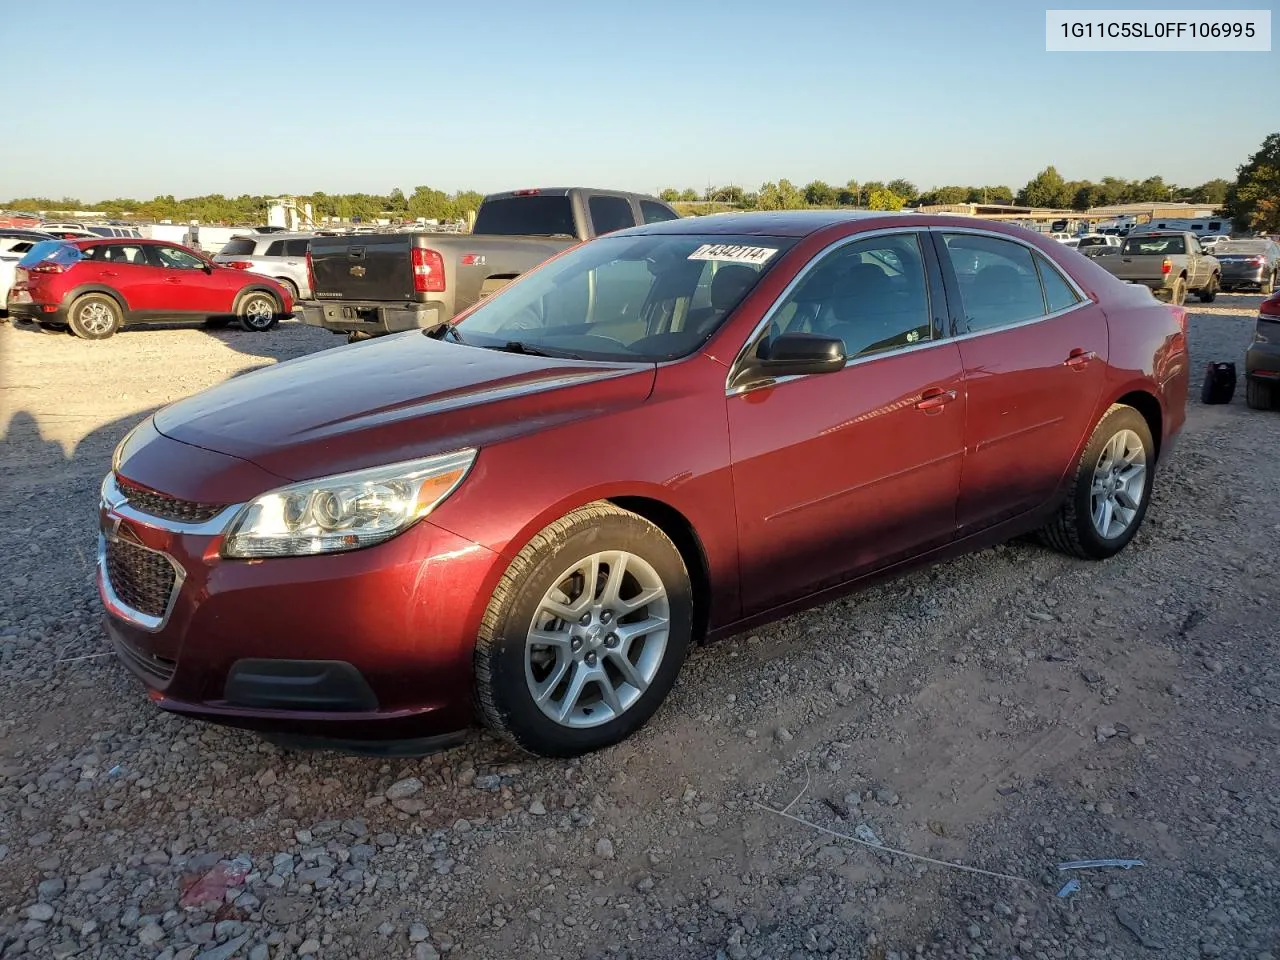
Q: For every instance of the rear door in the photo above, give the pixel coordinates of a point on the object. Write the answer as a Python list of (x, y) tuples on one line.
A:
[(1034, 351), (125, 268), (368, 267)]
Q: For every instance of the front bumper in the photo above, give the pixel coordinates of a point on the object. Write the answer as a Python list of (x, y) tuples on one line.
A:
[(372, 318), (359, 647)]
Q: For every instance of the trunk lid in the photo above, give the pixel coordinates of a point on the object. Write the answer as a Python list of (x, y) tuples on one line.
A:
[(364, 267)]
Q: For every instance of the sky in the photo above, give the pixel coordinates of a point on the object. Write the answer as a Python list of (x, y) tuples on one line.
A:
[(138, 99)]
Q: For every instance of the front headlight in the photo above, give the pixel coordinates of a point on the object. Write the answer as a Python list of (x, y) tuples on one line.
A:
[(347, 511)]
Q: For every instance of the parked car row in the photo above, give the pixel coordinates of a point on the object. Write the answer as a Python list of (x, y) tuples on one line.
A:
[(463, 523)]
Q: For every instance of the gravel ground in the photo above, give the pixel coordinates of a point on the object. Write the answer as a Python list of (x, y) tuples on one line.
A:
[(1005, 712)]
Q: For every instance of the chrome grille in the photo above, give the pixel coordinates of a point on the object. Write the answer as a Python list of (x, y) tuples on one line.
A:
[(166, 507), (142, 579)]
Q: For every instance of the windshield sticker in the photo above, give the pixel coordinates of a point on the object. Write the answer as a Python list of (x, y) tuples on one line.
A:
[(733, 253)]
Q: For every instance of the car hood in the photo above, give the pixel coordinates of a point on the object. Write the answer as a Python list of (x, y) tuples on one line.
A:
[(391, 399)]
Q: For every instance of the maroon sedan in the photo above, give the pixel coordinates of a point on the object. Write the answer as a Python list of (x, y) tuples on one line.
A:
[(527, 517)]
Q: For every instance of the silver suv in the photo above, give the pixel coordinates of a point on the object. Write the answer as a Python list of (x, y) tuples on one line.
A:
[(281, 256)]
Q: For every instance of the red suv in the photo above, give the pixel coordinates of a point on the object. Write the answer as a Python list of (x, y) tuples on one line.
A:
[(94, 287)]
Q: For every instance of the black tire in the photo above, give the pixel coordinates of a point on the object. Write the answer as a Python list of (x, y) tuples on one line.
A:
[(1210, 292), (357, 336), (1072, 531), (1178, 295), (1268, 286), (218, 323), (504, 701), (95, 316), (253, 307), (1259, 394)]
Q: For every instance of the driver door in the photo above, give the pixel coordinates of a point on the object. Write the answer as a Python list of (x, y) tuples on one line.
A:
[(187, 288), (838, 474)]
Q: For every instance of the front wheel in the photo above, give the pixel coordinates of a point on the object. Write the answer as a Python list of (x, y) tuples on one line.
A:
[(585, 633), (95, 316), (258, 311), (1110, 490)]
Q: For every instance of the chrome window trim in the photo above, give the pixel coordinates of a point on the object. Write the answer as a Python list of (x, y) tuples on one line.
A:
[(1084, 301), (114, 500), (122, 610), (799, 278)]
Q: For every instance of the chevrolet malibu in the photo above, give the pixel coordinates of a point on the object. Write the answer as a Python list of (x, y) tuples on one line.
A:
[(527, 517)]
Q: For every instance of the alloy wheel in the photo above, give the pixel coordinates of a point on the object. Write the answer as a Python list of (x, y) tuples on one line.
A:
[(1119, 484), (96, 318), (597, 639), (259, 311)]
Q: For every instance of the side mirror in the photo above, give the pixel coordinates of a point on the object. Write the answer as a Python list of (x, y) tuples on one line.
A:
[(208, 267), (793, 355)]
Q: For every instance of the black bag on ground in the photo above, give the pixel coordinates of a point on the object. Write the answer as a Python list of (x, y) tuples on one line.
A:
[(1219, 383)]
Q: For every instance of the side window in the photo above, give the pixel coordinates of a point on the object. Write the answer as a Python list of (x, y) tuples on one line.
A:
[(275, 249), (656, 212), (871, 293), (998, 280), (1058, 294), (296, 248), (610, 213), (171, 258)]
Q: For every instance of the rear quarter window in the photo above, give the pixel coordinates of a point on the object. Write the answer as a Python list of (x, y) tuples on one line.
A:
[(238, 247), (656, 212), (296, 248), (609, 214)]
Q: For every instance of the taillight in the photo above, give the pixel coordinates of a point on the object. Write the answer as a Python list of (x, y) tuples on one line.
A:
[(1259, 261), (1270, 307), (239, 264), (525, 193), (1166, 266), (428, 271), (311, 272), (47, 266)]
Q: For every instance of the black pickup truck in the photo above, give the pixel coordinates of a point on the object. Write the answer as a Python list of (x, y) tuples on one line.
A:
[(371, 284)]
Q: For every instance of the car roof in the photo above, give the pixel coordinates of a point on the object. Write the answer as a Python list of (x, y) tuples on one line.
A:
[(780, 223)]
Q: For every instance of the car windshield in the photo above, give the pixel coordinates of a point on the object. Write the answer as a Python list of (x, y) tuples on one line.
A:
[(55, 250), (646, 297), (1240, 246)]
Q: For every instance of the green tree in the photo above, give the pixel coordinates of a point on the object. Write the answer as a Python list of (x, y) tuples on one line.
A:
[(1045, 189), (727, 194), (1253, 201), (819, 194), (396, 202), (1212, 192), (689, 195), (850, 195), (670, 194), (942, 195), (904, 188), (884, 200), (783, 195)]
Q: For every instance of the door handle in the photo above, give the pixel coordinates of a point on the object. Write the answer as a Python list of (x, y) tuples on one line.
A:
[(172, 279), (110, 273), (1079, 358), (934, 398)]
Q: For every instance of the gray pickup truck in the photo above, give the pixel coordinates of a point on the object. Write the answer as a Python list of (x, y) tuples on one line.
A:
[(367, 285), (1171, 263)]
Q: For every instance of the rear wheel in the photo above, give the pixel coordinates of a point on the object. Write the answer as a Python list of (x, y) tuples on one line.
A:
[(95, 316), (1259, 394), (1268, 286), (258, 311), (1210, 292), (355, 336), (1110, 490), (1178, 294), (585, 633)]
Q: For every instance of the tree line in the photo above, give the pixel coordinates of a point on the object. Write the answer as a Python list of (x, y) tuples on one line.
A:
[(1252, 200)]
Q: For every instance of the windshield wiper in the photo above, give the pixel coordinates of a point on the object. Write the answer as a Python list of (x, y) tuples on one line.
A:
[(519, 346)]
